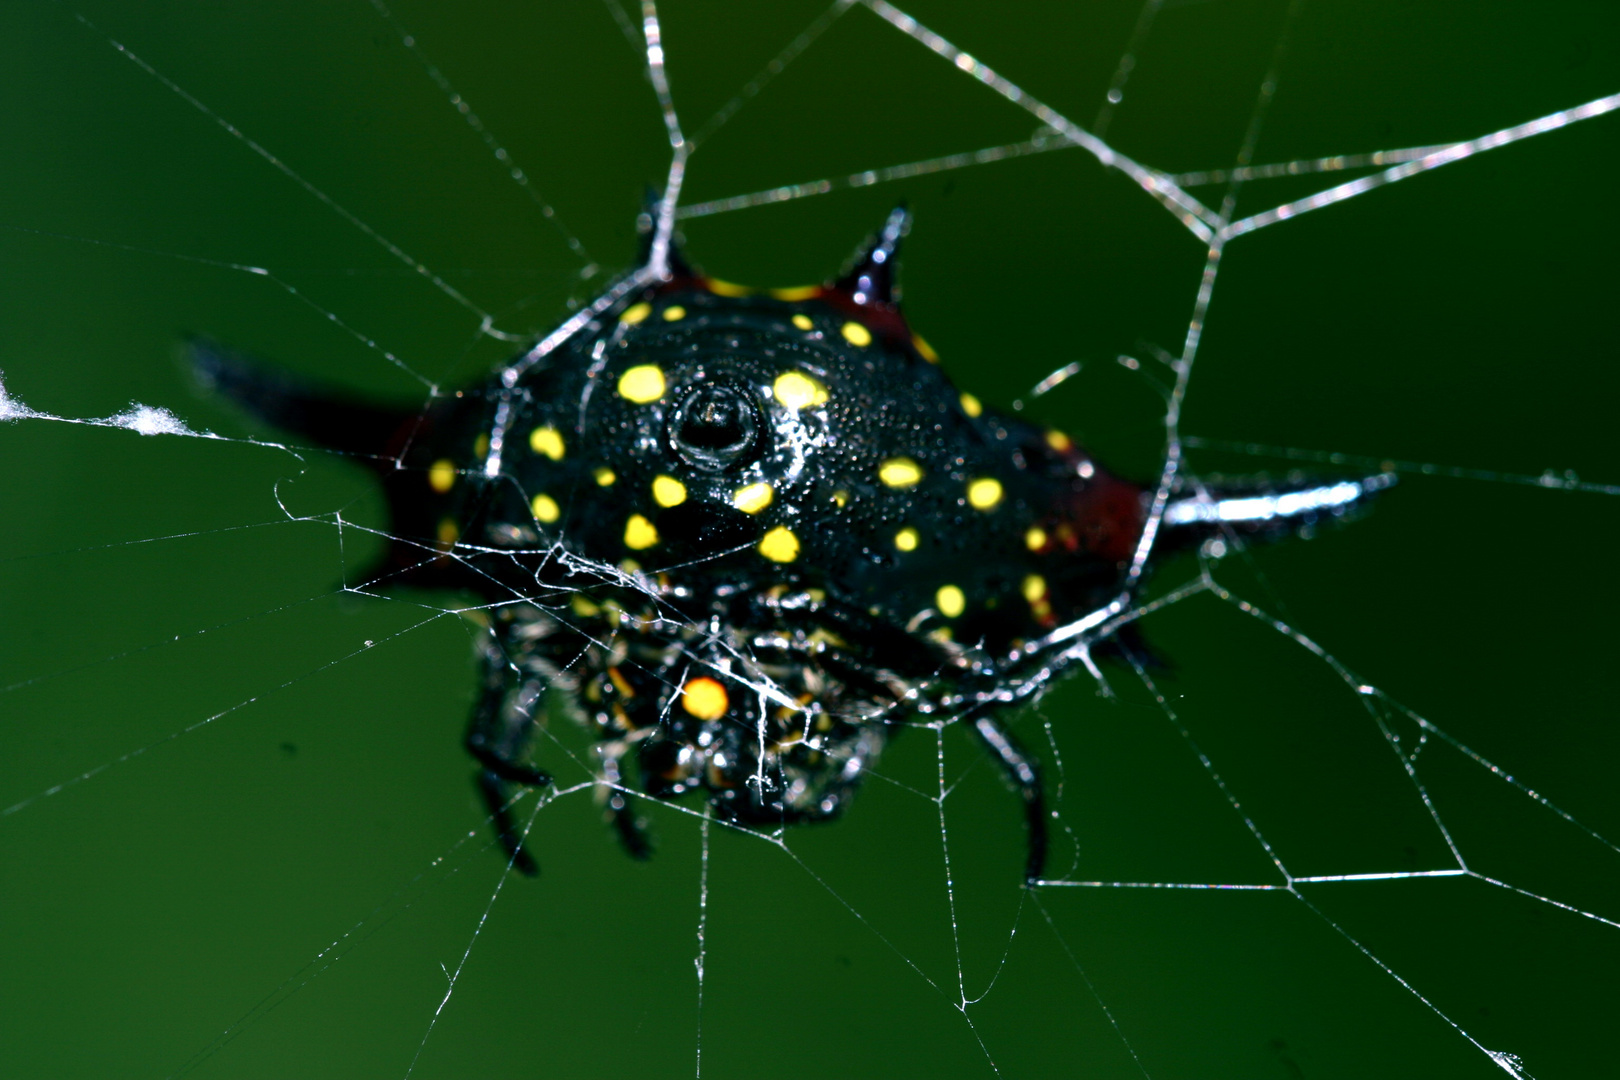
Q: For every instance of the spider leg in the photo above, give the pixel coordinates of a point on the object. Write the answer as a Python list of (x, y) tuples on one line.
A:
[(1025, 775), (632, 836), (622, 809), (496, 796), (499, 765), (497, 735)]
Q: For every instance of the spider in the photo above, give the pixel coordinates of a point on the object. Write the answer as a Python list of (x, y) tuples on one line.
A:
[(748, 533)]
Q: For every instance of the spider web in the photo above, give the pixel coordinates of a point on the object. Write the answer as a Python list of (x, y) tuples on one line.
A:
[(1360, 817)]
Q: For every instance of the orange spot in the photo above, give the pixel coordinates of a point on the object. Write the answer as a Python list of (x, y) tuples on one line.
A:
[(705, 698)]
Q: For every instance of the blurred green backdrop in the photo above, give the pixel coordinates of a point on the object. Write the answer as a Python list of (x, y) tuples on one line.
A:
[(296, 841)]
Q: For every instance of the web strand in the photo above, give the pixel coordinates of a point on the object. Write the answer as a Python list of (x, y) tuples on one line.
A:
[(496, 148), (286, 170)]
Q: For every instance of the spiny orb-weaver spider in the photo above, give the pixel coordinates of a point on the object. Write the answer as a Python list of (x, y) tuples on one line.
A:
[(749, 532)]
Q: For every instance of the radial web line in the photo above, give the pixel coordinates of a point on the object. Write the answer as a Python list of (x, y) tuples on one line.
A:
[(141, 541), (1387, 875), (1446, 155), (198, 725), (627, 27), (1367, 699), (1091, 987), (172, 639), (1226, 791), (1430, 728), (1040, 144), (1264, 96), (702, 932), (1369, 692), (1172, 417), (945, 859), (790, 52), (1194, 886), (471, 844), (1194, 215), (495, 147), (1195, 326), (680, 149), (287, 170), (862, 919), (1571, 908), (452, 977), (1500, 1059), (1304, 167), (256, 271), (1126, 64), (1550, 479)]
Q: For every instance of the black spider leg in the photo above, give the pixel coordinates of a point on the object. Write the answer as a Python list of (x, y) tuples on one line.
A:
[(497, 736), (1025, 775), (622, 808)]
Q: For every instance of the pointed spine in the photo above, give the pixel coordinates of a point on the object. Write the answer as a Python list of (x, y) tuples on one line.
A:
[(870, 281)]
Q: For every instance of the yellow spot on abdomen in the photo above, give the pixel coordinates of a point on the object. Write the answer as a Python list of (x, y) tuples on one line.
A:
[(668, 491), (642, 384), (925, 350), (442, 475), (950, 601), (727, 288), (856, 334), (780, 545), (1034, 588), (674, 313), (900, 472), (639, 533), (1035, 538), (971, 406), (797, 293), (1059, 441), (753, 498), (545, 509), (635, 314), (705, 698), (797, 390), (547, 441), (605, 476), (984, 493), (906, 539), (803, 322), (481, 446), (840, 499)]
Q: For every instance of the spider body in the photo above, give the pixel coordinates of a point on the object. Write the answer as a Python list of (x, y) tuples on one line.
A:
[(747, 534)]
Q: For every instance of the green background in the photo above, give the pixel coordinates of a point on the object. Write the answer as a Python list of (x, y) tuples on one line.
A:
[(302, 789)]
